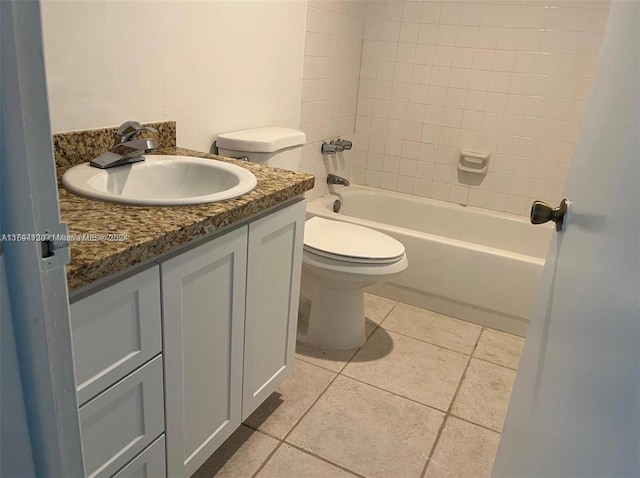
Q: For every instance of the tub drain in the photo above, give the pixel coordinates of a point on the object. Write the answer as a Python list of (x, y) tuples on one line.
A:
[(337, 204)]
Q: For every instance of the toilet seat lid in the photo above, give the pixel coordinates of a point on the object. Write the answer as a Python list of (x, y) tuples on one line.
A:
[(350, 242)]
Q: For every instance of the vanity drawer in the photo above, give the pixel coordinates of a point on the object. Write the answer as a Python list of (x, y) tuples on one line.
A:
[(119, 423), (150, 463), (114, 331)]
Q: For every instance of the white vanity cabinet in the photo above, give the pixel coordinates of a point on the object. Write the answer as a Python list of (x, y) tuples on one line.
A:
[(171, 360), (116, 333), (203, 311), (148, 464), (230, 311), (273, 290), (121, 422)]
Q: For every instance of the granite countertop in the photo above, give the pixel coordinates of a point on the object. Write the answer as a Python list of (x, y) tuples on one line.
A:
[(150, 231)]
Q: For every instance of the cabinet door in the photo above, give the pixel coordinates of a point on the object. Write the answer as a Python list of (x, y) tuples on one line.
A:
[(120, 422), (148, 464), (203, 328), (273, 288), (114, 331)]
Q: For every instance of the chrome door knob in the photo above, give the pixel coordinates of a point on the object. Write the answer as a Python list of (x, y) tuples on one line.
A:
[(541, 212)]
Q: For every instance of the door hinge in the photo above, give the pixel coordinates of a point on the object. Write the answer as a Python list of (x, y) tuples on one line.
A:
[(54, 246)]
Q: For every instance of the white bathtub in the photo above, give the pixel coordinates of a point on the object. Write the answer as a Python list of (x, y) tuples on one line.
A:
[(465, 262)]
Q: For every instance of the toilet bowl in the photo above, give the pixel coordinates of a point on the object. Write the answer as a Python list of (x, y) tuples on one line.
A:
[(339, 260)]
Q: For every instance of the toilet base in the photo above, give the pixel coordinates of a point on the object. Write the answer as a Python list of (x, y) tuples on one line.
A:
[(336, 318), (332, 296)]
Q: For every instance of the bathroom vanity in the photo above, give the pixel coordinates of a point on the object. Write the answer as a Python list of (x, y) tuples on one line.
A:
[(180, 335)]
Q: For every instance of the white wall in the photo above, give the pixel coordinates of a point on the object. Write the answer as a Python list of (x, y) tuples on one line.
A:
[(213, 66), (509, 77), (333, 46)]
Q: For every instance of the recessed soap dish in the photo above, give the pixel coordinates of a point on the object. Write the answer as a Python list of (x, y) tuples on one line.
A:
[(474, 162)]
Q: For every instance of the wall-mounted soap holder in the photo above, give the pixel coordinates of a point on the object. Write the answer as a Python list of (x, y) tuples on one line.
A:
[(474, 162)]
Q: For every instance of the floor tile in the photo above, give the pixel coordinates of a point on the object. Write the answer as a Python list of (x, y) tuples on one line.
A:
[(369, 431), (484, 394), (409, 367), (432, 327), (280, 412), (333, 360), (241, 455), (288, 462), (499, 347), (376, 308), (463, 451)]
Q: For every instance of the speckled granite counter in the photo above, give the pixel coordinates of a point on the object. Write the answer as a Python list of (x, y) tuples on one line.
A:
[(151, 231)]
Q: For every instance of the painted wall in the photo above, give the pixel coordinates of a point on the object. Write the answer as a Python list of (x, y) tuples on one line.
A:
[(333, 46), (506, 77), (212, 66)]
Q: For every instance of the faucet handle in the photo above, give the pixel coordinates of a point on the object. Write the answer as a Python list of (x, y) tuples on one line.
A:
[(130, 129), (346, 144), (332, 147)]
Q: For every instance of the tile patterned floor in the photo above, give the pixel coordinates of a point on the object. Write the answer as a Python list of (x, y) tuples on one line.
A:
[(426, 396)]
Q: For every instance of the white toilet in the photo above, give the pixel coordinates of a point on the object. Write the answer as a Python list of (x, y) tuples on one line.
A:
[(338, 262), (339, 259)]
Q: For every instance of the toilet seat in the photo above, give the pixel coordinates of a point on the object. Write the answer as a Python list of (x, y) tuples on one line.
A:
[(346, 242)]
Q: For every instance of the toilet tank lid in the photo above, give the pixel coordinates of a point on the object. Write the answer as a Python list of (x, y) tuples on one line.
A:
[(261, 140)]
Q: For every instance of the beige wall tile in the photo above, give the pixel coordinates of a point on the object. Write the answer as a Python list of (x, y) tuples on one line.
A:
[(484, 394), (490, 49), (369, 431)]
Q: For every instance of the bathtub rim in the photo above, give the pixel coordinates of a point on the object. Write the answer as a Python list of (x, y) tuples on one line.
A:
[(320, 207)]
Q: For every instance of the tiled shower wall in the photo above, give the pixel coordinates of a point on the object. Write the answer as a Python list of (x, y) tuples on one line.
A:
[(332, 54), (508, 78)]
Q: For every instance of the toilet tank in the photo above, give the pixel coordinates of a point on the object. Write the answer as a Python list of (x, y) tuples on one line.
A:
[(271, 145)]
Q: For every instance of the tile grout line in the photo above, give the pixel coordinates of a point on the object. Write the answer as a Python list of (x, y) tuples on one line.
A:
[(427, 342), (444, 421), (469, 354), (283, 439), (266, 460), (395, 394), (462, 419), (340, 373), (324, 459), (298, 357), (448, 412), (494, 363)]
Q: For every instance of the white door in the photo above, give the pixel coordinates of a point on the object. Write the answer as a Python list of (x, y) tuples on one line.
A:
[(575, 405), (36, 285)]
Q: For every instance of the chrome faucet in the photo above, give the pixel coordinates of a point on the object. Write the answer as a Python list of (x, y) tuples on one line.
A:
[(331, 148), (127, 149), (334, 179), (336, 146), (346, 144)]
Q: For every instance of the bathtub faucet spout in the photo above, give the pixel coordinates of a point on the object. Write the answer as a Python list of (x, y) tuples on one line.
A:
[(334, 179)]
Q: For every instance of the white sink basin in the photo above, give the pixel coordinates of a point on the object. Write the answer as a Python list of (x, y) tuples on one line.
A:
[(161, 181)]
